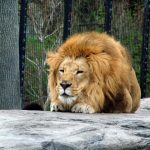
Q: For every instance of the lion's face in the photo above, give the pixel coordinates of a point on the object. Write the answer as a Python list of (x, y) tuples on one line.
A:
[(73, 77)]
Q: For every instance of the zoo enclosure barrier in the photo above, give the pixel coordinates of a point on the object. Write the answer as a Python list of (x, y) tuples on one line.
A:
[(76, 16)]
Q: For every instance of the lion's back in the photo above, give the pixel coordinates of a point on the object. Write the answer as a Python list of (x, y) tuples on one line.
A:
[(87, 43)]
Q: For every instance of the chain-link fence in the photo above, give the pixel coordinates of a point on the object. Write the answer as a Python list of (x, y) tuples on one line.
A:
[(47, 27), (44, 31)]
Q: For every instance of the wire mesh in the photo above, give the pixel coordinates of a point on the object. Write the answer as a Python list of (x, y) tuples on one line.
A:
[(44, 31), (87, 15)]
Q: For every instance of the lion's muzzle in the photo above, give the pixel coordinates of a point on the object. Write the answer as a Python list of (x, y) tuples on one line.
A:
[(65, 84), (65, 94)]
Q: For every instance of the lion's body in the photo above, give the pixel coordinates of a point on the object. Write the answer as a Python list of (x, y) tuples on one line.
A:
[(92, 72)]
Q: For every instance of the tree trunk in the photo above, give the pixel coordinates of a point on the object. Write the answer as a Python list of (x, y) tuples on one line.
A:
[(9, 55)]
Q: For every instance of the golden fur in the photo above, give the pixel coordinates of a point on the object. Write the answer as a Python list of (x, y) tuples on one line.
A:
[(92, 72)]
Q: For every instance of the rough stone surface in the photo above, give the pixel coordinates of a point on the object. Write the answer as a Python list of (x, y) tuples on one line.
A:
[(36, 130)]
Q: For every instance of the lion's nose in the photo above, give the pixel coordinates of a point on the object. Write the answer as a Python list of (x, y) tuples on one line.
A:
[(65, 84)]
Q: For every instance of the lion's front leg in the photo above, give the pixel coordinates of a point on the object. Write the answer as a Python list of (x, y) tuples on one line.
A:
[(83, 108)]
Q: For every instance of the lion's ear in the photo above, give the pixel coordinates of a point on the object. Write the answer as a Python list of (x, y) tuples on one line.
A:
[(53, 60), (50, 57)]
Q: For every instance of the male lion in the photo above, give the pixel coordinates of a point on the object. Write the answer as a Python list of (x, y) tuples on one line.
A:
[(90, 73)]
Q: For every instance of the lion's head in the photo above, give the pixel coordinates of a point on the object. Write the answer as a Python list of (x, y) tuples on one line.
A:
[(89, 72)]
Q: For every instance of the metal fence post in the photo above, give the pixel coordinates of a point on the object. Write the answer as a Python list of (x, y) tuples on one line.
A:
[(144, 55), (22, 43), (108, 16), (67, 18)]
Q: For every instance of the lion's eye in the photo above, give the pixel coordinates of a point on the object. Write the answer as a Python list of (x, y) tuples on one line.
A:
[(79, 72), (61, 70)]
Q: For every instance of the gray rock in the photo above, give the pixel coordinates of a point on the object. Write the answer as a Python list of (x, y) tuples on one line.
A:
[(36, 130)]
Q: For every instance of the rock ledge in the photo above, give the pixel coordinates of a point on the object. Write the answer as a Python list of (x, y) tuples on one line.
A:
[(36, 130)]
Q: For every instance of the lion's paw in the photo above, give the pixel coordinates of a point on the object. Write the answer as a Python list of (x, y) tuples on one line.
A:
[(83, 108), (56, 107)]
